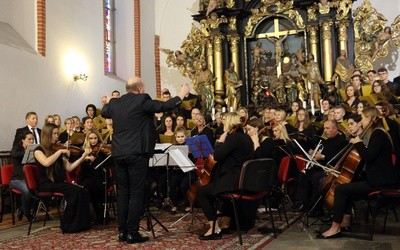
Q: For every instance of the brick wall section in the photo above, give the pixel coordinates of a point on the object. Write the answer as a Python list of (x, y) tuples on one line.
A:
[(137, 40), (157, 62), (41, 26)]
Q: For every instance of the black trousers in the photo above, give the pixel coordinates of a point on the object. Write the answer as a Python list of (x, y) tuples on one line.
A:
[(308, 186), (206, 199), (131, 174), (345, 194)]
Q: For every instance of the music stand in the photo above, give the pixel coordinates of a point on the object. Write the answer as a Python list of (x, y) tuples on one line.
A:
[(159, 148), (186, 165), (29, 156), (105, 186)]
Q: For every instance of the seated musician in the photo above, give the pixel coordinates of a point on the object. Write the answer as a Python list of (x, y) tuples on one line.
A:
[(233, 148), (52, 166), (92, 176), (178, 180), (264, 145), (380, 172), (18, 176), (309, 183), (202, 129)]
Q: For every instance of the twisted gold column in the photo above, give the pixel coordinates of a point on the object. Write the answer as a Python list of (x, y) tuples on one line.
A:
[(218, 65), (327, 49)]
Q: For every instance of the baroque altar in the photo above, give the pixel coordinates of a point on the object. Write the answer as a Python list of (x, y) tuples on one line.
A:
[(256, 52)]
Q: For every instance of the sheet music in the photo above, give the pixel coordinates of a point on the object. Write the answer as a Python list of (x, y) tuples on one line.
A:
[(162, 146), (160, 159), (28, 156), (182, 160)]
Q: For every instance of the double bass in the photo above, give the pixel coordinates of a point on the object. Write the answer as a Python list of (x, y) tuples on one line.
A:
[(347, 165)]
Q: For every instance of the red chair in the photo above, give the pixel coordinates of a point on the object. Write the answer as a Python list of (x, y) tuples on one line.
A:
[(32, 175), (388, 199), (257, 180), (6, 174)]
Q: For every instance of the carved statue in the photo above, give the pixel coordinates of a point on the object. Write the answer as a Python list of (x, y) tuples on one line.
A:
[(232, 83), (278, 47), (204, 86), (280, 92), (343, 70), (257, 52), (380, 40), (291, 89), (213, 4), (314, 79)]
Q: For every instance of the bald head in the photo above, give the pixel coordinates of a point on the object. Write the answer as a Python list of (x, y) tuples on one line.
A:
[(134, 84)]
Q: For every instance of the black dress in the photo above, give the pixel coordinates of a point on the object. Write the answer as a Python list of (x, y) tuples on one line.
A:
[(76, 215), (93, 179)]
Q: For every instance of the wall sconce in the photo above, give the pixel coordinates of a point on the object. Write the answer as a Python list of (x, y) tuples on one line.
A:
[(82, 77)]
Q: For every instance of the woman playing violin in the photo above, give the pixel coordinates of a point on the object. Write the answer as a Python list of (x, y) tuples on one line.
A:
[(52, 165), (90, 177), (380, 172), (232, 149)]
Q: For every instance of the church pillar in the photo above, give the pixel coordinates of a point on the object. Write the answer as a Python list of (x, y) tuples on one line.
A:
[(327, 49), (234, 49), (218, 65), (342, 30), (313, 41), (210, 55)]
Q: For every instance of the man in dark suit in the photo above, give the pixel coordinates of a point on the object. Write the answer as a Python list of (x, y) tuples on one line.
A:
[(134, 138), (31, 121)]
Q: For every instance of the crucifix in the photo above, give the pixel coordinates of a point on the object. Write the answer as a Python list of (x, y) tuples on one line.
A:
[(277, 37)]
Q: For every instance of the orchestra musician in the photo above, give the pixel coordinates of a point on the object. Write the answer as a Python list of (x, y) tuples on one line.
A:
[(91, 178), (309, 182), (380, 173), (52, 165), (202, 128), (18, 176), (232, 149), (307, 131), (264, 145)]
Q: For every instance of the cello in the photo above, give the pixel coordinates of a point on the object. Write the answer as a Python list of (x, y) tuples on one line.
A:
[(203, 179), (347, 166)]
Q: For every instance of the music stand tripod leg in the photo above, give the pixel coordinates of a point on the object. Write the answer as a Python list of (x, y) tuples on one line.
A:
[(167, 201)]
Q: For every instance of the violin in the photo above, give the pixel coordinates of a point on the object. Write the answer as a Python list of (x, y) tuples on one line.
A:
[(103, 148), (74, 150)]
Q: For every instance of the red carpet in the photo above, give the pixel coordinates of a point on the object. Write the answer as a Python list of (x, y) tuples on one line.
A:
[(181, 236)]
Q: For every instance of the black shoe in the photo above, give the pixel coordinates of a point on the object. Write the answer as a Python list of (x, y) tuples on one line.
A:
[(333, 236), (135, 238), (328, 219), (345, 229), (122, 236), (20, 214), (214, 236)]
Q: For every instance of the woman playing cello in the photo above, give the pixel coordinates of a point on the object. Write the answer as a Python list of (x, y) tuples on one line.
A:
[(233, 148), (380, 172)]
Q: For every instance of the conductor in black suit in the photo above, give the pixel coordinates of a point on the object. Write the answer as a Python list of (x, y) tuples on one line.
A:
[(134, 138), (31, 125)]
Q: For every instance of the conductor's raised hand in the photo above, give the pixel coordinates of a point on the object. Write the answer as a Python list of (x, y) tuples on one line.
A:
[(184, 91)]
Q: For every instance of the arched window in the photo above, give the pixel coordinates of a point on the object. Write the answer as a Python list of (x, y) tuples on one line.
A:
[(109, 37)]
